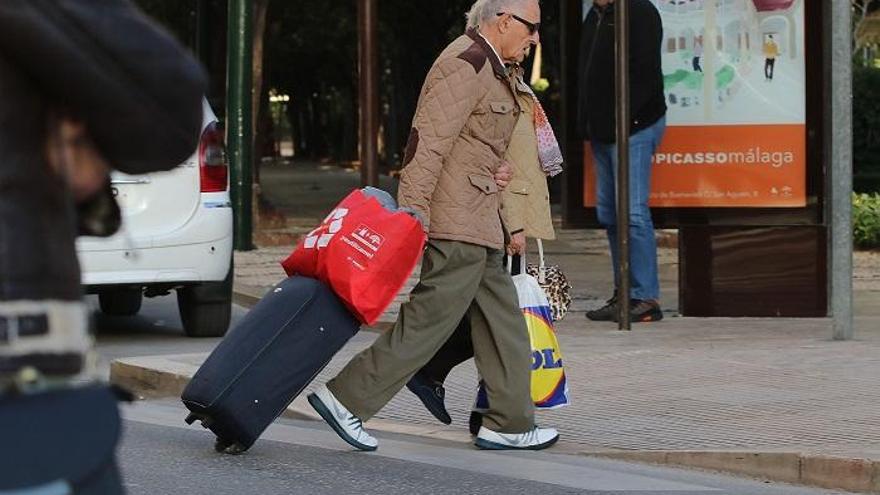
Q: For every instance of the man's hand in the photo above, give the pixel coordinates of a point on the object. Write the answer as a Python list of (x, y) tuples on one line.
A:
[(517, 244), (503, 175), (72, 155)]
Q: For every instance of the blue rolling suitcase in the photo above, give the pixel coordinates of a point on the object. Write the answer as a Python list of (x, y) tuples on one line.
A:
[(267, 360)]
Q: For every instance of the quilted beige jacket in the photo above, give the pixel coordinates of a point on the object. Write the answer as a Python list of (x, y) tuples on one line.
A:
[(461, 130), (526, 200)]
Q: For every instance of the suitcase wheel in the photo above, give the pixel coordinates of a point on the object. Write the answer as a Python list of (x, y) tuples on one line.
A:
[(235, 449), (221, 445), (228, 447)]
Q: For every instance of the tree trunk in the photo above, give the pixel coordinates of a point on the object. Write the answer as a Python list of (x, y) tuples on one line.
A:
[(260, 8)]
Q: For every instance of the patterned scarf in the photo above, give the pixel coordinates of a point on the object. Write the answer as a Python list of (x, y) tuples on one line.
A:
[(549, 153)]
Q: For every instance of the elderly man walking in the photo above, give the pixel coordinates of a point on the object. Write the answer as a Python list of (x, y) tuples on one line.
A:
[(462, 127)]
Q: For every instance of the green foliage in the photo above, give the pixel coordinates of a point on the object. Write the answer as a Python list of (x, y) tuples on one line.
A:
[(724, 76), (866, 220), (670, 80), (310, 54), (694, 80), (541, 85), (866, 121)]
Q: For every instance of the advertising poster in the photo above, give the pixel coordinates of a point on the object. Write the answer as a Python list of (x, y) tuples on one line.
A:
[(735, 83)]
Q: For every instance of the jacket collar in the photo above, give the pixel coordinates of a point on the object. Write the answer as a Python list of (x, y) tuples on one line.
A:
[(497, 66)]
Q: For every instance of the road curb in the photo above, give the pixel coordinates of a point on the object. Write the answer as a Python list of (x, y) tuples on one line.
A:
[(167, 376), (149, 379), (840, 473), (245, 299)]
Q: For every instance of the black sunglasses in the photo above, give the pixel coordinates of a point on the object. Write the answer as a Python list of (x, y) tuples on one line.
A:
[(533, 26)]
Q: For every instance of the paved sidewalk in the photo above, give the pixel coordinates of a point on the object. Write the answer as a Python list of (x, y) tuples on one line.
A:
[(772, 398)]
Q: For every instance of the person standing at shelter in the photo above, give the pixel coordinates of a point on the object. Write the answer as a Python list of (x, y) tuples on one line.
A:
[(462, 127), (597, 122)]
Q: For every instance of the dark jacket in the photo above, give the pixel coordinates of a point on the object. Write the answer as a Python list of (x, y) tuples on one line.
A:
[(102, 62), (596, 101)]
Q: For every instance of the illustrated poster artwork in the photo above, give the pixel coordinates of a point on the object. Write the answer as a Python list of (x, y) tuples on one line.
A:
[(754, 73), (734, 76)]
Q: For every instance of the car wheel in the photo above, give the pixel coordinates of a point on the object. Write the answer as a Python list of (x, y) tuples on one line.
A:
[(121, 302), (206, 309)]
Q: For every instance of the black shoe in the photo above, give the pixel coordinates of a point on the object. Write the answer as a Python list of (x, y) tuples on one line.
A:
[(640, 311), (475, 422), (608, 312), (431, 394), (643, 311)]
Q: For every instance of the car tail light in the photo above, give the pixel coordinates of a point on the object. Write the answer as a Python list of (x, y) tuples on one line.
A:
[(212, 160)]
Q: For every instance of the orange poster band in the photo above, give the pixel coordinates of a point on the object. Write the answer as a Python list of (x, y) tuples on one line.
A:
[(723, 166)]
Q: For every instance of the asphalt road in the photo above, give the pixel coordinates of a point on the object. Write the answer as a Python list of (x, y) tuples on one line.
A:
[(160, 454)]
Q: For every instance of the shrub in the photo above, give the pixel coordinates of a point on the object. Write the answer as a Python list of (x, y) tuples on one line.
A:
[(866, 220)]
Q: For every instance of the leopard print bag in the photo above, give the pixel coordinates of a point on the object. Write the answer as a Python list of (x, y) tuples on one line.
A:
[(555, 284)]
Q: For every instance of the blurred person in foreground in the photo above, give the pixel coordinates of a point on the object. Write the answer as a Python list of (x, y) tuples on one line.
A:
[(464, 120), (86, 86)]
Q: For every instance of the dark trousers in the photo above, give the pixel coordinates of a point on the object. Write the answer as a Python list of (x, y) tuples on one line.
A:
[(458, 348), (769, 65)]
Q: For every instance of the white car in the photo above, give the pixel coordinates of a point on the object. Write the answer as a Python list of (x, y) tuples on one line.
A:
[(176, 235)]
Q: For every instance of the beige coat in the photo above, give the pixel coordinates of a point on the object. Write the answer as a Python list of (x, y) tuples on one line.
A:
[(526, 201), (461, 130)]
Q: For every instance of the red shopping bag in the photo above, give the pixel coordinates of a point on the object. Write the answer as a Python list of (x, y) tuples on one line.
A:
[(363, 251)]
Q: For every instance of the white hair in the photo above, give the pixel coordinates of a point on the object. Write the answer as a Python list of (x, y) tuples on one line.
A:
[(484, 11)]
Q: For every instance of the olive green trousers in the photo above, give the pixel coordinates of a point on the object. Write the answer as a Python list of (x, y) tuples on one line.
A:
[(457, 279)]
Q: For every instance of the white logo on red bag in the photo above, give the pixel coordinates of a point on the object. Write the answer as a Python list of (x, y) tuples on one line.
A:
[(368, 237), (331, 226)]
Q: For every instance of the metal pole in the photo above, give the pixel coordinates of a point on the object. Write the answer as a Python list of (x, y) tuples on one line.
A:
[(239, 135), (621, 72), (709, 60), (368, 89), (838, 143)]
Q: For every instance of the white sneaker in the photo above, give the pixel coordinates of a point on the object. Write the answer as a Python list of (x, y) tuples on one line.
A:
[(348, 426), (534, 439)]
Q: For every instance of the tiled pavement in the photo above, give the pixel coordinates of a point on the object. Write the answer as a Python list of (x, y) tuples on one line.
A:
[(680, 384)]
